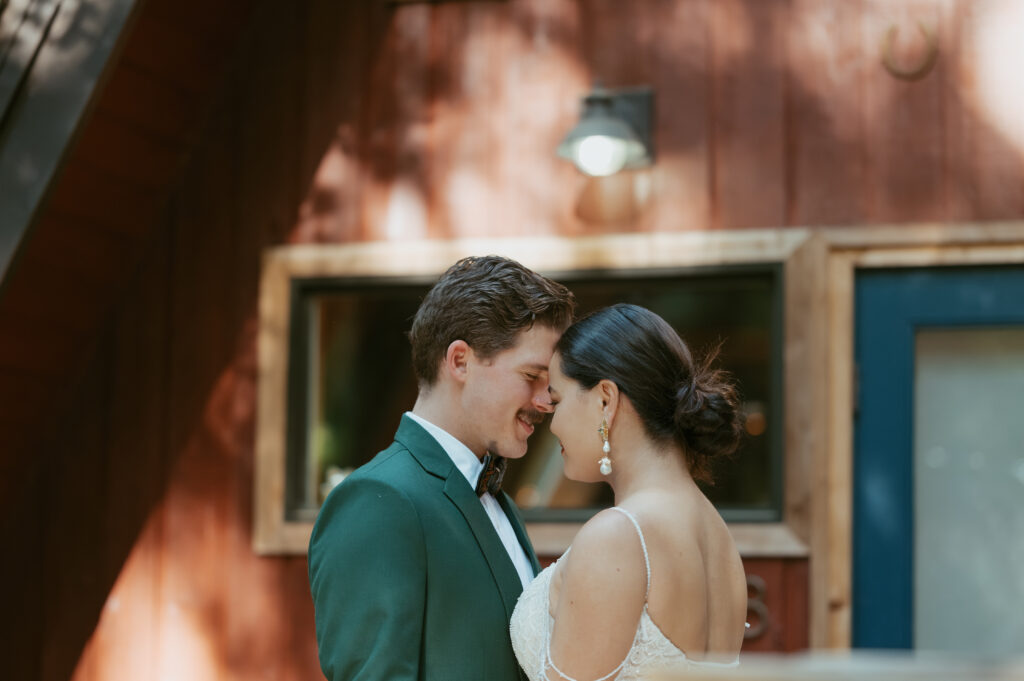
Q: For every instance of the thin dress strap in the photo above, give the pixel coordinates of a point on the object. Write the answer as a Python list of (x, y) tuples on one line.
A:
[(548, 662), (643, 545)]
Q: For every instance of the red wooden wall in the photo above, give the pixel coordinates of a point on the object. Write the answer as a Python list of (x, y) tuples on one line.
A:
[(359, 120)]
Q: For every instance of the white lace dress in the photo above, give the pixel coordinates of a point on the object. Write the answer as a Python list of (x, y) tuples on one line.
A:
[(532, 623)]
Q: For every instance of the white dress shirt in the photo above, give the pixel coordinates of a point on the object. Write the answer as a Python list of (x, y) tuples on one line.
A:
[(470, 466)]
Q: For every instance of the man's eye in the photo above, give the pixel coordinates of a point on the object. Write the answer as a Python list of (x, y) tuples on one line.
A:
[(532, 377)]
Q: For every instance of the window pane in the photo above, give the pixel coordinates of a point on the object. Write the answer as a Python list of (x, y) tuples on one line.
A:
[(354, 383), (352, 378)]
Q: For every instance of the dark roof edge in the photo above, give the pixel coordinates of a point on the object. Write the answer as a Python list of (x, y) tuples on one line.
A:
[(54, 97)]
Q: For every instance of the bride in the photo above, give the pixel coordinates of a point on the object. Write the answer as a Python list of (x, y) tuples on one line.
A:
[(655, 581)]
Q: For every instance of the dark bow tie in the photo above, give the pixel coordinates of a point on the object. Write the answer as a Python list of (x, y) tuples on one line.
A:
[(491, 475)]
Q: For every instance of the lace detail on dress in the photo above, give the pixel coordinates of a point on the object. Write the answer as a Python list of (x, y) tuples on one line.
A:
[(531, 626)]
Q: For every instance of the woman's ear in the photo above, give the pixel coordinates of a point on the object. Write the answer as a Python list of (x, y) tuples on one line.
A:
[(608, 392), (456, 360)]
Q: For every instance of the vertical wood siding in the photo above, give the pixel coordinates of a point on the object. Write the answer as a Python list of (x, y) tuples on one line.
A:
[(358, 121)]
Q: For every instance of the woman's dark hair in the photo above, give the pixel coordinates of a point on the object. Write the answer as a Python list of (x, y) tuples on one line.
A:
[(677, 398), (485, 301)]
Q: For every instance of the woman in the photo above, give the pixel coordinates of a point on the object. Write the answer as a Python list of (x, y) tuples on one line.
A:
[(655, 581)]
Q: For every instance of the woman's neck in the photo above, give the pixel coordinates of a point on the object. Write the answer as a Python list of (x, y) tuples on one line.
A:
[(649, 466)]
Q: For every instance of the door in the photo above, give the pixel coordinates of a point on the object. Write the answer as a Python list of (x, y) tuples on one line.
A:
[(938, 527)]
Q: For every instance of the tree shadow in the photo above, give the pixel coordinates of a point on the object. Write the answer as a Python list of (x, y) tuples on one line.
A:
[(767, 114), (373, 122)]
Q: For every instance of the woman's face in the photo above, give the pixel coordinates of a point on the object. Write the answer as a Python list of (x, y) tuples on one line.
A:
[(575, 423)]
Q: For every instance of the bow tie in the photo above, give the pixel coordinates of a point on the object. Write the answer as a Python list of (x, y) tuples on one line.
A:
[(491, 475)]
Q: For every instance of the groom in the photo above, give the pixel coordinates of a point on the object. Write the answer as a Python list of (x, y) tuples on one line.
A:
[(416, 562)]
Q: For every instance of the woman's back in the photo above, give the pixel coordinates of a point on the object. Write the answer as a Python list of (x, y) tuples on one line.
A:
[(691, 615), (698, 593)]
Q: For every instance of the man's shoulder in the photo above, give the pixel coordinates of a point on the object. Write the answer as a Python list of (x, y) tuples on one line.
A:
[(396, 468), (392, 465), (383, 488)]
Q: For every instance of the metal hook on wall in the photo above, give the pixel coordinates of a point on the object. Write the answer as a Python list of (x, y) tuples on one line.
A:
[(913, 72)]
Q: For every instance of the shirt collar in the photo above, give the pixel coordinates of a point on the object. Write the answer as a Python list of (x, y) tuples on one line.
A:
[(461, 455)]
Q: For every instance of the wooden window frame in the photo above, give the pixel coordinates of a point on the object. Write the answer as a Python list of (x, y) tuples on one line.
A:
[(797, 250)]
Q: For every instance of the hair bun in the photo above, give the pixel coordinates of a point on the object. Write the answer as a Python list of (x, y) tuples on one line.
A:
[(707, 417)]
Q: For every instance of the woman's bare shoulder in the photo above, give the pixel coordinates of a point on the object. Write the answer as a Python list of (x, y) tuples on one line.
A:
[(607, 530), (606, 549), (600, 599)]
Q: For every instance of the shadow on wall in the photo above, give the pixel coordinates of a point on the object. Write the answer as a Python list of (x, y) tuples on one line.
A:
[(768, 114)]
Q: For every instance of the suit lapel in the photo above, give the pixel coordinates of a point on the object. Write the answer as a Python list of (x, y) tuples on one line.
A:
[(504, 572), (435, 460), (424, 448), (512, 512)]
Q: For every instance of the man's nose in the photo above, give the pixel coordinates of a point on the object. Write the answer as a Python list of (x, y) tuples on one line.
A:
[(542, 401)]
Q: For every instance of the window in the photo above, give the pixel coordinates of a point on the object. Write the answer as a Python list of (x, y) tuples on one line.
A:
[(351, 379), (335, 371)]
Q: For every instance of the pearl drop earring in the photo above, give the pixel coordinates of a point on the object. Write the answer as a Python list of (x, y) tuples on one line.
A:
[(605, 461)]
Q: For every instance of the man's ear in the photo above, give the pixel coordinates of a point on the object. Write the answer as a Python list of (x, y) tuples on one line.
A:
[(608, 392), (456, 360)]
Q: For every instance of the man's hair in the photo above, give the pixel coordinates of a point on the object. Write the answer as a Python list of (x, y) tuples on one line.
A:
[(485, 301)]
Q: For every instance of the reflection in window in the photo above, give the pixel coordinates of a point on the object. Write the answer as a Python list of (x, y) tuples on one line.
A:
[(351, 378)]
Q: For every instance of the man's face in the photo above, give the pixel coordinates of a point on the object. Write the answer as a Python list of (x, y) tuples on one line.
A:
[(506, 395)]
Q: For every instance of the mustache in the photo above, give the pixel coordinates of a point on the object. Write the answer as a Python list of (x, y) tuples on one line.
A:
[(531, 416)]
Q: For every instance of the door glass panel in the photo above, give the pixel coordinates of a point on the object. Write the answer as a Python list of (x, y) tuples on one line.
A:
[(969, 490)]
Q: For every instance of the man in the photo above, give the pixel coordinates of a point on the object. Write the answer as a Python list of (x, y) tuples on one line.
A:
[(414, 567)]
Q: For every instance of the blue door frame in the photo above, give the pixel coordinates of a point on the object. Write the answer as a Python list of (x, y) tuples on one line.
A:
[(890, 306)]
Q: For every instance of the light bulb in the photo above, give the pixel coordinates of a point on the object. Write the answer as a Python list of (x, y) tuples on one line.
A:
[(601, 155)]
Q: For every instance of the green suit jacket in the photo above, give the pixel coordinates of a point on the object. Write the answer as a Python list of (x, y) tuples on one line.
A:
[(409, 578)]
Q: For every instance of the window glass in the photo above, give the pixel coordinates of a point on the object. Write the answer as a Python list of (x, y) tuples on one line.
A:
[(351, 378), (968, 486)]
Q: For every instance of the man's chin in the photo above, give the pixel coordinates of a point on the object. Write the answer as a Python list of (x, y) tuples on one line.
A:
[(515, 450)]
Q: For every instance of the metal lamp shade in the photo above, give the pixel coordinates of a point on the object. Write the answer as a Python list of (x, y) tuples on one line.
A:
[(605, 141)]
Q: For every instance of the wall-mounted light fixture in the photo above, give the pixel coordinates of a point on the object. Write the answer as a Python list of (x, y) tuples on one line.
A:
[(614, 132)]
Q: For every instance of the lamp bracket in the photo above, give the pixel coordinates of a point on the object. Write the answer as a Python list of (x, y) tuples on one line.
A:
[(635, 106)]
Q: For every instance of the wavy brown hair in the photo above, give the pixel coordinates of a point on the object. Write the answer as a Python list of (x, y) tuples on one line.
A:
[(485, 301)]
